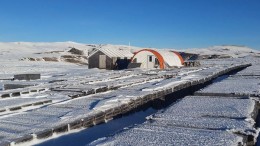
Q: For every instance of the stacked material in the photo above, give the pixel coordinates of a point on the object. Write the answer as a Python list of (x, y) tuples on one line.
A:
[(244, 83), (195, 120), (82, 100)]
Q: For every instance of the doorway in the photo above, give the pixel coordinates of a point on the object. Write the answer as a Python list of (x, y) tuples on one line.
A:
[(102, 61)]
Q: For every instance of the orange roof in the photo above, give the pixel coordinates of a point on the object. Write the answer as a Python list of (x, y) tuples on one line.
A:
[(180, 57), (164, 57), (158, 56)]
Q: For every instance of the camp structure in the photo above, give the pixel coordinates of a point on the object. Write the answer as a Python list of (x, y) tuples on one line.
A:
[(161, 59), (110, 58)]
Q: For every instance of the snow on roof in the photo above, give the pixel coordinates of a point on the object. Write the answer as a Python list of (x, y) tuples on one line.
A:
[(112, 51), (170, 58), (166, 58)]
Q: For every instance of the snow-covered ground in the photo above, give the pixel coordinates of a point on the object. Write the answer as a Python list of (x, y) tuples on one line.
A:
[(201, 120), (153, 135), (238, 86), (206, 112), (225, 51), (133, 85), (245, 82), (97, 90), (60, 51), (51, 52)]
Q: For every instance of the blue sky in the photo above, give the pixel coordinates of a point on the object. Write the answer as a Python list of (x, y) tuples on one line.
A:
[(144, 23)]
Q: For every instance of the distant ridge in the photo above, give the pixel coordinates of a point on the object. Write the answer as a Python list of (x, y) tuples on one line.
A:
[(60, 51)]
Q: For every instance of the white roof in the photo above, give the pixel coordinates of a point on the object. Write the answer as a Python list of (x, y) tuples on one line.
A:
[(115, 52), (170, 58)]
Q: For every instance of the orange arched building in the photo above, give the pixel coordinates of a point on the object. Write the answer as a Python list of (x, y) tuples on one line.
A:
[(149, 58)]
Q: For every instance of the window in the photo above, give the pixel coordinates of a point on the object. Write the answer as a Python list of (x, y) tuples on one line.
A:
[(150, 58), (156, 61)]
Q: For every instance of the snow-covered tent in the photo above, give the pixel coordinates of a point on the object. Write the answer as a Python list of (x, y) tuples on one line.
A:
[(149, 58)]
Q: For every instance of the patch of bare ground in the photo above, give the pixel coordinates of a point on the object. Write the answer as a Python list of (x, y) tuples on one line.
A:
[(76, 51), (75, 61), (68, 56), (51, 52), (54, 59)]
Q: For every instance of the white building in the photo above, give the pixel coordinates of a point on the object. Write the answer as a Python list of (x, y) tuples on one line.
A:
[(149, 58)]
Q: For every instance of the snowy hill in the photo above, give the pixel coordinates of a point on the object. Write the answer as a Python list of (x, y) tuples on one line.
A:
[(24, 57), (31, 47), (77, 53), (225, 51), (28, 51), (56, 51)]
